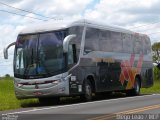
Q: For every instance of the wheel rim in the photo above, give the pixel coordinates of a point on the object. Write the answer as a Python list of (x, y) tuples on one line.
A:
[(137, 87), (88, 91)]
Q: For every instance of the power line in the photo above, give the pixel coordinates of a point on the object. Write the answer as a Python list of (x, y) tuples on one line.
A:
[(53, 18), (154, 33), (25, 10), (145, 25), (147, 29), (21, 15)]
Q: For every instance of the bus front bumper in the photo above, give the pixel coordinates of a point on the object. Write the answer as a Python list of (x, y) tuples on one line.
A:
[(42, 90)]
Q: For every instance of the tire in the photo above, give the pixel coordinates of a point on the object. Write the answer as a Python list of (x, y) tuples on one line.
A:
[(136, 90), (49, 101), (87, 91)]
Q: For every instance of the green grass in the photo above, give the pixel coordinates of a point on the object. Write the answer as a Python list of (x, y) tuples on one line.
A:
[(7, 96), (154, 89)]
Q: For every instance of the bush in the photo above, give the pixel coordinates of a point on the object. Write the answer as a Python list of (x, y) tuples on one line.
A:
[(7, 75), (156, 73)]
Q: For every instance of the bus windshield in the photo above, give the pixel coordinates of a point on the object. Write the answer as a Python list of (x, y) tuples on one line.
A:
[(39, 55)]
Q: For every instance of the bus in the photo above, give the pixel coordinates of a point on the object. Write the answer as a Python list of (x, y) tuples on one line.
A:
[(79, 58)]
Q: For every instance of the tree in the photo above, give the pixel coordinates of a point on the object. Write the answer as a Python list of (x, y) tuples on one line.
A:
[(156, 52), (7, 75), (156, 73)]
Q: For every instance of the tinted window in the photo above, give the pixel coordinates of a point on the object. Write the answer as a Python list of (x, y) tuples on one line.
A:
[(146, 45), (105, 41), (39, 57), (116, 42), (26, 52), (92, 39), (78, 30), (127, 43), (138, 44)]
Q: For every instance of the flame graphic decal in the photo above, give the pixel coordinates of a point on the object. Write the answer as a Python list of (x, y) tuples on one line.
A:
[(128, 71)]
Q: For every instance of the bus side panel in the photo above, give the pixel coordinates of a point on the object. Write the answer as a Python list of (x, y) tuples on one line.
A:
[(110, 75), (105, 74), (115, 59)]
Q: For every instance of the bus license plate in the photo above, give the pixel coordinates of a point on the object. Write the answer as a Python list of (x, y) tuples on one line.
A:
[(37, 93)]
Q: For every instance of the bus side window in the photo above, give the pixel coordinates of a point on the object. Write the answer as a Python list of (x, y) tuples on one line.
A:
[(77, 41), (91, 40), (146, 45), (138, 46), (127, 43), (105, 41), (72, 55), (19, 57), (116, 41)]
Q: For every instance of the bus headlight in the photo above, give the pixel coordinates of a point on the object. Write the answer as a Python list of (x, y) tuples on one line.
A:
[(19, 85)]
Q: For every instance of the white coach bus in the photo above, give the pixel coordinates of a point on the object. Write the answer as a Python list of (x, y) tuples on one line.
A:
[(79, 58)]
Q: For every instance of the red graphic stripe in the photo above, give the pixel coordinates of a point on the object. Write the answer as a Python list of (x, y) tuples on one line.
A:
[(129, 71), (122, 78), (124, 74), (125, 71), (127, 63)]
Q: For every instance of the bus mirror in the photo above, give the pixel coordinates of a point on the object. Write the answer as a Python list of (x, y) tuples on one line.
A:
[(5, 51), (66, 41)]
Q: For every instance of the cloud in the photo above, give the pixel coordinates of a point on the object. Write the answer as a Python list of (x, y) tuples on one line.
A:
[(53, 8), (64, 7), (129, 14)]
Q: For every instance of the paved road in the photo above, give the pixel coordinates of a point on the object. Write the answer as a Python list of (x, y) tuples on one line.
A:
[(145, 107)]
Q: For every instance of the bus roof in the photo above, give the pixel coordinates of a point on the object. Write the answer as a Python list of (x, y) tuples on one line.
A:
[(62, 24)]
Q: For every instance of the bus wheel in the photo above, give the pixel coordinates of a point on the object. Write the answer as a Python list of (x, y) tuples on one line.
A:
[(136, 90), (87, 91), (49, 101)]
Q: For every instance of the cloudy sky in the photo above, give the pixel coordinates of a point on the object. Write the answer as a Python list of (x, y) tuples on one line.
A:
[(137, 15)]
